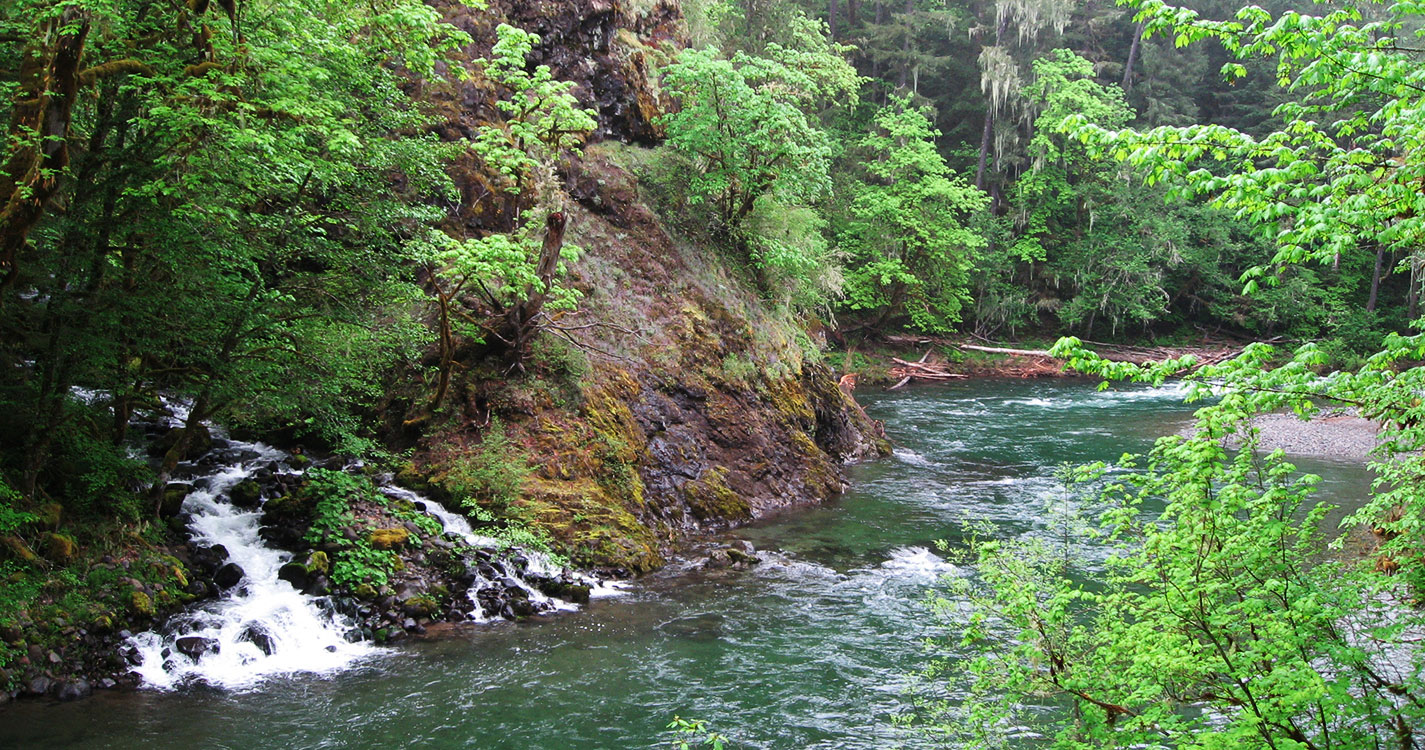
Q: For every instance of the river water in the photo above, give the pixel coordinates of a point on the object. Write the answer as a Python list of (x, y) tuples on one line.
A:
[(812, 649)]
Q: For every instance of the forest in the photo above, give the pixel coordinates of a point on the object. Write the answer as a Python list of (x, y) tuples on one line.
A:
[(586, 272)]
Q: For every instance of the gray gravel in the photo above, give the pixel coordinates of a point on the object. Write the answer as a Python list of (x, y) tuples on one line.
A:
[(1333, 435), (1339, 436)]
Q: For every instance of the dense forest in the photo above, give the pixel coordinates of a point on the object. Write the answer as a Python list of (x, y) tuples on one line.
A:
[(496, 250)]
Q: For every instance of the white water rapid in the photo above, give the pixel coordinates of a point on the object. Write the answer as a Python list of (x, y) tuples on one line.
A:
[(536, 562), (260, 627)]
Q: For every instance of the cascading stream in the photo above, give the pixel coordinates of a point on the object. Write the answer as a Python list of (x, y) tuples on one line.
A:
[(536, 563), (262, 626)]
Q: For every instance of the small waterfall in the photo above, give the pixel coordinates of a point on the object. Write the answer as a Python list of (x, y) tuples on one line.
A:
[(491, 575), (262, 626)]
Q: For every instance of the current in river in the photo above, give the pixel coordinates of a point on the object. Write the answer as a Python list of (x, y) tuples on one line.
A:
[(814, 648)]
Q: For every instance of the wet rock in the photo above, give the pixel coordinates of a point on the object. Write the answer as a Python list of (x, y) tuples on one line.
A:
[(174, 493), (73, 691), (246, 494), (389, 538), (296, 574), (108, 683), (194, 646), (255, 635), (318, 586), (718, 559), (39, 686), (210, 558), (200, 441), (228, 576)]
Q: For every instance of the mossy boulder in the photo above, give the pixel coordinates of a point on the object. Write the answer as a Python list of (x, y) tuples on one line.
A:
[(319, 562), (173, 496), (47, 516), (710, 499), (142, 604), (246, 494), (14, 548), (388, 538), (59, 548)]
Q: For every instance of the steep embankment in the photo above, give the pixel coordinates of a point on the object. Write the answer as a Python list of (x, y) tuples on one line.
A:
[(672, 400)]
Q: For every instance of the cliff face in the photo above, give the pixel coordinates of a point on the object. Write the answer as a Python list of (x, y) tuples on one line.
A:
[(673, 400)]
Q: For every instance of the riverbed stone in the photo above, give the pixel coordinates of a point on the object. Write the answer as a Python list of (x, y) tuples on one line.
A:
[(246, 494), (255, 635), (195, 646), (296, 574), (73, 691), (39, 686), (228, 576)]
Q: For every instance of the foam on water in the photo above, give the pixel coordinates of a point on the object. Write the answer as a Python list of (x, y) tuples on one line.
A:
[(262, 627), (537, 563), (917, 562)]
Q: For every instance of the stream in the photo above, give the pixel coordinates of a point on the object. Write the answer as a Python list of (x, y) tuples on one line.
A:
[(813, 648)]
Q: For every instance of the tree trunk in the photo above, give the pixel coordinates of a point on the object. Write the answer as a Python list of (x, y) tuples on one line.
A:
[(831, 18), (905, 45), (521, 320), (1375, 279), (42, 112), (988, 132), (985, 135), (195, 419), (1132, 56)]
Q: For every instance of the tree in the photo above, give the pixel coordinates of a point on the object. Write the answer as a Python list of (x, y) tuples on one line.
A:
[(1221, 620), (501, 284), (232, 227), (908, 241)]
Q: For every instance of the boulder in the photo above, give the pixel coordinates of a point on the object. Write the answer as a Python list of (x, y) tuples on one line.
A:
[(73, 691), (255, 635), (14, 548), (59, 548), (246, 494), (194, 646), (228, 576), (296, 574), (39, 686), (199, 442), (174, 493), (388, 538)]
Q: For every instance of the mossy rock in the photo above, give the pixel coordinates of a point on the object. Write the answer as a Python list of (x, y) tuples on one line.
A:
[(48, 515), (319, 562), (388, 538), (173, 496), (15, 548), (246, 494), (298, 460), (420, 605), (141, 604), (710, 499), (365, 592)]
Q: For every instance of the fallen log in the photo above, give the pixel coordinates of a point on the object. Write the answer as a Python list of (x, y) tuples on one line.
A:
[(1001, 350)]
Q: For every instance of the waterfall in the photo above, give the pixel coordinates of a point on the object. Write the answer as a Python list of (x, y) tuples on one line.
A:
[(261, 626), (497, 574)]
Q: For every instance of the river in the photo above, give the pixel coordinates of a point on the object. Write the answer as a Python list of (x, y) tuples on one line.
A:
[(812, 649)]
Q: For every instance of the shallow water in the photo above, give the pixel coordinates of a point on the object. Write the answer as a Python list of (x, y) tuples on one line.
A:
[(809, 650)]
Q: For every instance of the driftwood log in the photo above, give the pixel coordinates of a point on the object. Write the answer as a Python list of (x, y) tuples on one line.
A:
[(1041, 362)]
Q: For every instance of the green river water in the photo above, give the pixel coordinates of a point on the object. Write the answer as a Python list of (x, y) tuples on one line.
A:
[(812, 649)]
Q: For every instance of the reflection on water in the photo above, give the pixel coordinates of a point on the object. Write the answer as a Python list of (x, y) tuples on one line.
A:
[(812, 649)]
